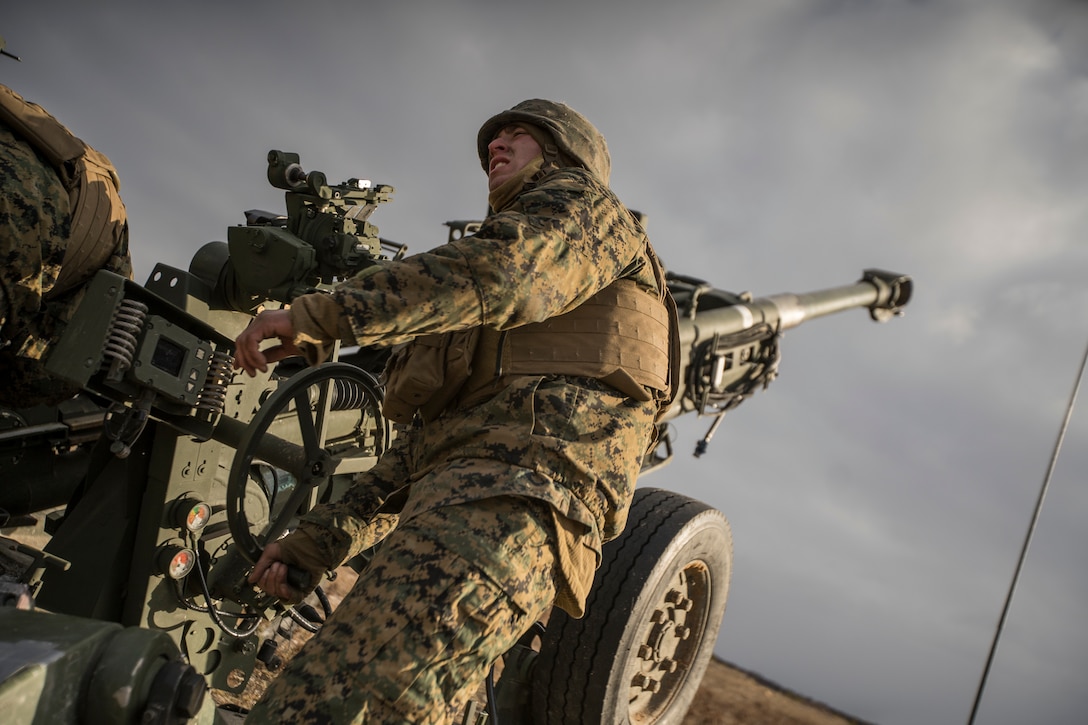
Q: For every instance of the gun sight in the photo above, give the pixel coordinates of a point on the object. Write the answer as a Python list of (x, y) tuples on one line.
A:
[(324, 237)]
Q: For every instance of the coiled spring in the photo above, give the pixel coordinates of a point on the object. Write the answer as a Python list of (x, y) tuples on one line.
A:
[(351, 395), (213, 396), (120, 348)]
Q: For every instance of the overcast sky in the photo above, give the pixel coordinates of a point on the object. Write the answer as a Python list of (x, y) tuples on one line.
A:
[(881, 489)]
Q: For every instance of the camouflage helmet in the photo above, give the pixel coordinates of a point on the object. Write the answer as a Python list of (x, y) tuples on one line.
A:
[(574, 136)]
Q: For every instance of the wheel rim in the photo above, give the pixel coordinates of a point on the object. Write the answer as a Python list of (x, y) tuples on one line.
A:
[(669, 642)]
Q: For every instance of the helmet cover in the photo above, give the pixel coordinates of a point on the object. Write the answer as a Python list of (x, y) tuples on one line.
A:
[(575, 136)]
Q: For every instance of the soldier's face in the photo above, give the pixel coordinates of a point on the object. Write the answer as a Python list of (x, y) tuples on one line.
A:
[(508, 153)]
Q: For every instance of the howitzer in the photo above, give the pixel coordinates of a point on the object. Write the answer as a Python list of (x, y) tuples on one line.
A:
[(156, 489)]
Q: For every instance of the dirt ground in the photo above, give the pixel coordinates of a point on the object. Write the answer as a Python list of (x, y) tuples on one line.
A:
[(730, 696)]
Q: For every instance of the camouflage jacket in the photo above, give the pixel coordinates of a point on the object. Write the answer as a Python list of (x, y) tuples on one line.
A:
[(573, 443)]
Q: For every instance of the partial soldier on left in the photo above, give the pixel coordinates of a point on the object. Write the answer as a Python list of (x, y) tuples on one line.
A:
[(61, 220)]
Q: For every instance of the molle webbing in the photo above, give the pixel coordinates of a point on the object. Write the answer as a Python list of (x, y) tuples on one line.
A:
[(98, 222), (46, 134), (619, 336), (97, 214)]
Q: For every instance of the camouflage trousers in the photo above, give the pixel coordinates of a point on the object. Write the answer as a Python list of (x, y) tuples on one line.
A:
[(446, 594)]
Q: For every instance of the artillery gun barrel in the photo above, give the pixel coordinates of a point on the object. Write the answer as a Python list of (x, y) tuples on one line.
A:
[(728, 342), (793, 309), (883, 293)]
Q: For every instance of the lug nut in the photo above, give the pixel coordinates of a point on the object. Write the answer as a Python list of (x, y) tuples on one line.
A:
[(648, 684)]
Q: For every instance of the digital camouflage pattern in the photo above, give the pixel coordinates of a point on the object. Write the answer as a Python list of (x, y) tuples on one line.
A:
[(447, 594), (35, 247), (35, 220), (571, 446), (573, 443), (540, 257)]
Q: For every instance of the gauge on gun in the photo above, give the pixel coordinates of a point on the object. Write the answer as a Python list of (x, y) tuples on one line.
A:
[(192, 514), (175, 561)]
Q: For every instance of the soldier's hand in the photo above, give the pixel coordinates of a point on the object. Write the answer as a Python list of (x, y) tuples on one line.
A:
[(270, 575), (291, 567), (269, 324)]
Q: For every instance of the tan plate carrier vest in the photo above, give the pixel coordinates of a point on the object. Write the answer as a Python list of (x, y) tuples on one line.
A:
[(619, 336), (623, 336), (97, 213)]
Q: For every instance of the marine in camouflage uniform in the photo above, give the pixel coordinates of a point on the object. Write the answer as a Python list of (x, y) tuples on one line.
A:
[(551, 331), (61, 220)]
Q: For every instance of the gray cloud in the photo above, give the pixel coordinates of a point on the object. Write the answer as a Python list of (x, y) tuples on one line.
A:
[(881, 489)]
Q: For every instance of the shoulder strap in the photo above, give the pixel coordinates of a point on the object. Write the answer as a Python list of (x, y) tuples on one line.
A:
[(46, 134)]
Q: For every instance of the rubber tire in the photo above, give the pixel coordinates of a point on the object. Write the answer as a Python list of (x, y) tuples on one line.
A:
[(587, 668)]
